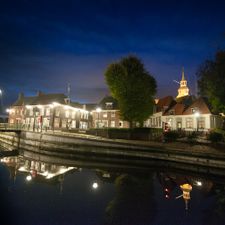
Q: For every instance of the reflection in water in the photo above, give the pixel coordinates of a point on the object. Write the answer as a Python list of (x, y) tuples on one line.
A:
[(133, 202), (36, 170), (215, 214), (135, 197), (186, 188)]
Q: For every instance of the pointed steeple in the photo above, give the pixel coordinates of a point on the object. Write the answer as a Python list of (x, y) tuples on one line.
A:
[(183, 89), (183, 78)]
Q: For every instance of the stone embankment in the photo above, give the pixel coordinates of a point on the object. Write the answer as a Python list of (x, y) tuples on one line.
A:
[(64, 145)]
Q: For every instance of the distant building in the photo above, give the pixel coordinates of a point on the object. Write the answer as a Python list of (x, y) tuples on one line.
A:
[(107, 114), (185, 112), (48, 111)]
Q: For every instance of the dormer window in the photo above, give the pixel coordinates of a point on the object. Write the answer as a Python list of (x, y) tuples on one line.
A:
[(109, 105), (194, 110), (172, 112)]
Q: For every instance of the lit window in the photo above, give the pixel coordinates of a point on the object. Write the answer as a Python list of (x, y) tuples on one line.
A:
[(67, 114), (105, 115), (189, 123), (113, 124), (48, 111)]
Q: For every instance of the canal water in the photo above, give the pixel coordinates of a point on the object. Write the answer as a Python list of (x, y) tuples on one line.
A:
[(40, 190)]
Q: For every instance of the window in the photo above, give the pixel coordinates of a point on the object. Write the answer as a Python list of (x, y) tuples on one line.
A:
[(193, 110), (57, 112), (73, 115), (67, 114), (189, 123), (48, 111), (56, 122), (31, 112), (64, 123), (113, 114), (105, 115), (113, 124), (201, 123), (121, 124), (73, 125), (109, 105), (83, 125)]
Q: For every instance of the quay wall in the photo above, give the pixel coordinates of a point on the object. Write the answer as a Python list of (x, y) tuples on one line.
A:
[(66, 146)]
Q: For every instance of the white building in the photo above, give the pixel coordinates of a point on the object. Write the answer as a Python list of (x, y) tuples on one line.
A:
[(185, 113)]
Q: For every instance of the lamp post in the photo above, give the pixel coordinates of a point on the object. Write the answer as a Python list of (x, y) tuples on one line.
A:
[(98, 110), (1, 111), (197, 115)]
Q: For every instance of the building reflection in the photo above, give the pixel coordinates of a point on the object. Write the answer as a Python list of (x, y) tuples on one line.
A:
[(133, 202), (35, 170), (172, 182)]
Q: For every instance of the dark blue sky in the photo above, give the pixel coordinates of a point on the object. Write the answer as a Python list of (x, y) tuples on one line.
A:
[(46, 44)]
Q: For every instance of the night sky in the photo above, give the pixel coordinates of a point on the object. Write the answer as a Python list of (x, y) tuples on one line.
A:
[(46, 44)]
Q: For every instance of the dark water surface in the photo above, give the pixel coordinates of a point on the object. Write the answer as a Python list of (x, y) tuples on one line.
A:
[(46, 191)]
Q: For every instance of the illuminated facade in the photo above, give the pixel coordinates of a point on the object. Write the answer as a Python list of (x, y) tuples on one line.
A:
[(48, 111), (183, 89), (108, 115)]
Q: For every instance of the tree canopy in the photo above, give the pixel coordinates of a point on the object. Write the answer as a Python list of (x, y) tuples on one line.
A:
[(211, 81), (133, 87)]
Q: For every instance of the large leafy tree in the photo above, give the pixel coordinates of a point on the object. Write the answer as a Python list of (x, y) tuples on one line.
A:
[(211, 81), (133, 87)]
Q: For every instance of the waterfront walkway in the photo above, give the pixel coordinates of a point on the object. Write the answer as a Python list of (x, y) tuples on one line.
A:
[(199, 147)]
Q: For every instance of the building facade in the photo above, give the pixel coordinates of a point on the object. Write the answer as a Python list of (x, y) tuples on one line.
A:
[(184, 113), (48, 112), (107, 114)]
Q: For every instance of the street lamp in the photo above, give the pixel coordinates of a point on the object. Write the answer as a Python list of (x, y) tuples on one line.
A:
[(197, 115), (98, 110), (1, 111)]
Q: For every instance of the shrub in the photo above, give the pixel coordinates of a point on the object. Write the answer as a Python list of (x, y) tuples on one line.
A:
[(191, 138), (171, 136), (215, 137)]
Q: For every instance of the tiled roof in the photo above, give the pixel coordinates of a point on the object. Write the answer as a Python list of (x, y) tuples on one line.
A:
[(164, 103), (42, 99), (91, 106), (184, 106), (108, 99), (201, 105), (176, 109)]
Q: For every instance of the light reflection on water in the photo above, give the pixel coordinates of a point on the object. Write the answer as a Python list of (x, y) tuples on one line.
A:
[(35, 191)]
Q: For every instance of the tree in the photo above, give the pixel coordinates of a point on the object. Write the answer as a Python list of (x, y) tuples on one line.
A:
[(133, 87), (211, 81)]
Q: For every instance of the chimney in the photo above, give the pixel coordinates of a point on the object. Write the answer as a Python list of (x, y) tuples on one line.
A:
[(39, 93), (21, 96)]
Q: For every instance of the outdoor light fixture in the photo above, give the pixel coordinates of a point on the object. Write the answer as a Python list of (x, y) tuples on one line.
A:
[(199, 183), (95, 185), (98, 110), (29, 178), (197, 114)]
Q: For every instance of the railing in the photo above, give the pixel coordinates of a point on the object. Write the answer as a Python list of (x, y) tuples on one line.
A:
[(8, 127)]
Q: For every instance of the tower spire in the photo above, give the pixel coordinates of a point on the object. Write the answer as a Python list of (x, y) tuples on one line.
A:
[(68, 90), (183, 78)]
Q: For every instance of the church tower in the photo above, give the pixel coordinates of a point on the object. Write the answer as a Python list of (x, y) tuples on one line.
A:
[(183, 90)]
